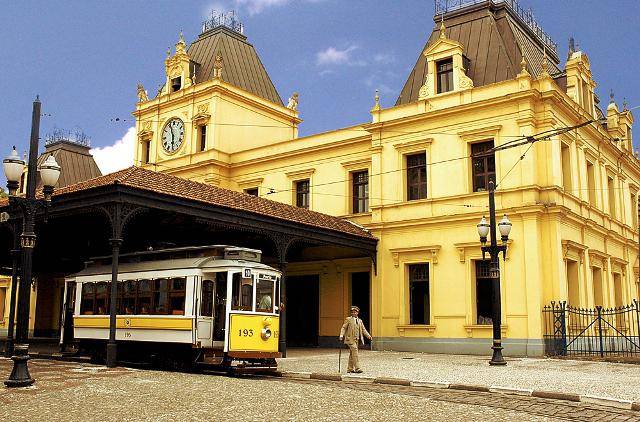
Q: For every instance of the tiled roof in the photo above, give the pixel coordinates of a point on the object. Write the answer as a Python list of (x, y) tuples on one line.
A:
[(139, 178)]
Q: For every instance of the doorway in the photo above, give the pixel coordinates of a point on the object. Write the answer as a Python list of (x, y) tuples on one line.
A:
[(303, 310), (361, 296)]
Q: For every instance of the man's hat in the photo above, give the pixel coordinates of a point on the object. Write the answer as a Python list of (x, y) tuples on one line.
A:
[(354, 308)]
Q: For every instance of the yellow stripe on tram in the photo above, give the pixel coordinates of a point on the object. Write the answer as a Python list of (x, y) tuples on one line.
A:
[(137, 322)]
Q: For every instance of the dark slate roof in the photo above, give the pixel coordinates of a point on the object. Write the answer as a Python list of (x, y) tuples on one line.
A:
[(241, 65), (76, 161), (492, 37)]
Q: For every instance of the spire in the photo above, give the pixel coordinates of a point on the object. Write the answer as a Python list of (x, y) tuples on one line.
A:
[(181, 46), (611, 96), (376, 99), (523, 63), (442, 30), (545, 63)]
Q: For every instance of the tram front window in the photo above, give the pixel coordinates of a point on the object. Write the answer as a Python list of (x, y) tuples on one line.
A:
[(241, 293), (264, 296)]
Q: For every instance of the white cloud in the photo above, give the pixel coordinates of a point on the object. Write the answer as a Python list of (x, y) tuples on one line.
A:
[(253, 7), (117, 156), (384, 58), (333, 55)]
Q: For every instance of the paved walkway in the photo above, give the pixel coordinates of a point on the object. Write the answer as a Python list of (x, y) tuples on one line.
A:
[(82, 392), (619, 381)]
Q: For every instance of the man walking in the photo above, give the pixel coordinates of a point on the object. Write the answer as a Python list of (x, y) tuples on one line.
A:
[(351, 333)]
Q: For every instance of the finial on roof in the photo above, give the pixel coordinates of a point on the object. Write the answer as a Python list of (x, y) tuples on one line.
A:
[(572, 47), (442, 29), (545, 62), (168, 52), (611, 95), (376, 99), (624, 103), (523, 62), (181, 46), (142, 94), (637, 153)]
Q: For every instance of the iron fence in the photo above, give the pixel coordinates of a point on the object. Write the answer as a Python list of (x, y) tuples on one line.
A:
[(597, 331)]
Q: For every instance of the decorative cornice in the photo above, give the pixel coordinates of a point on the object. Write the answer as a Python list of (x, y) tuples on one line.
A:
[(430, 251), (300, 173), (480, 133)]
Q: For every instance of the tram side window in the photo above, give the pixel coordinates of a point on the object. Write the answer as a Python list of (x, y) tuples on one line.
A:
[(102, 298), (206, 301), (144, 297), (88, 299), (127, 297), (159, 296), (242, 293), (264, 296), (177, 293)]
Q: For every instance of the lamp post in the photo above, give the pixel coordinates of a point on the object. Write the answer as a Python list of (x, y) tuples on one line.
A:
[(28, 206), (494, 268)]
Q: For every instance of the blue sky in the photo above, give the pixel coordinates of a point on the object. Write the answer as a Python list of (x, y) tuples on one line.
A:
[(84, 58)]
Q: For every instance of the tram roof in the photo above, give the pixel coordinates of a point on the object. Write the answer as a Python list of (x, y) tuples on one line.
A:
[(201, 263)]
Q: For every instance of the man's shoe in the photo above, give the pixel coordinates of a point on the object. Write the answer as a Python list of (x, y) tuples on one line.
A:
[(348, 372), (358, 371)]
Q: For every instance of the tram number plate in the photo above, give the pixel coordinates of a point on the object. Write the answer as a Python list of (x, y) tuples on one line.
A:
[(126, 334), (245, 332)]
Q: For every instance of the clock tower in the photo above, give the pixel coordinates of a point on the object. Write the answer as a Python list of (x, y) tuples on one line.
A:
[(217, 101)]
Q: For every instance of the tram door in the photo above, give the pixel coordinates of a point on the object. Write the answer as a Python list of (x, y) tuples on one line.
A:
[(67, 314)]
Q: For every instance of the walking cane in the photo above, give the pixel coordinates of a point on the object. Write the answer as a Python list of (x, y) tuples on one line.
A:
[(339, 359)]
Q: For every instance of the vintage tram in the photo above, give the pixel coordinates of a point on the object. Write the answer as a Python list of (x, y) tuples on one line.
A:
[(213, 305)]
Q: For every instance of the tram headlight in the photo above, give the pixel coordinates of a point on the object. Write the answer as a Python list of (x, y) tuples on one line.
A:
[(266, 333)]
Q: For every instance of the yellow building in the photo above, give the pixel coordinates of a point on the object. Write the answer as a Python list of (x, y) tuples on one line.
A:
[(416, 176)]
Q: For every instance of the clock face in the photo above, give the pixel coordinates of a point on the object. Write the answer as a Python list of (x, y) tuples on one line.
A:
[(172, 135)]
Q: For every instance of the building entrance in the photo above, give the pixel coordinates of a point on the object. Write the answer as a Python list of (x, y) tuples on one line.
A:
[(303, 310), (360, 296)]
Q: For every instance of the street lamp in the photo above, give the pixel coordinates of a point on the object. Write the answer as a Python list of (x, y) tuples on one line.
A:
[(28, 206), (494, 267)]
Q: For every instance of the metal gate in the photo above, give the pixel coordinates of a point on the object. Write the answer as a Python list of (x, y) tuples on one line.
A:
[(596, 331)]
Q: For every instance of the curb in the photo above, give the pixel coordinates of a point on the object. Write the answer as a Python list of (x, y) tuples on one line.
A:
[(554, 395)]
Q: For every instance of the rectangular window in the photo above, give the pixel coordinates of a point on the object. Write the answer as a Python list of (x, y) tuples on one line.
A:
[(484, 294), (251, 191), (445, 75), (127, 296), (264, 295), (159, 296), (302, 193), (202, 134), (483, 165), (88, 299), (102, 298), (176, 294), (566, 167), (419, 293), (145, 289), (416, 176), (146, 146), (206, 298), (591, 183), (241, 293), (612, 197), (176, 84), (360, 188)]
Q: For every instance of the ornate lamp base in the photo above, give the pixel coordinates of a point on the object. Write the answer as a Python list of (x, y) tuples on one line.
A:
[(497, 359), (20, 376)]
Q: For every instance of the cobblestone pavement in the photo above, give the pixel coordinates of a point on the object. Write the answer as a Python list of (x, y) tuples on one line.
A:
[(80, 392), (567, 376)]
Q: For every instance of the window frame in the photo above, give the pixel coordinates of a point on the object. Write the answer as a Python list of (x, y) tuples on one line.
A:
[(359, 204), (202, 138), (302, 197), (447, 73), (420, 184), (250, 191), (477, 278), (486, 160), (426, 282)]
